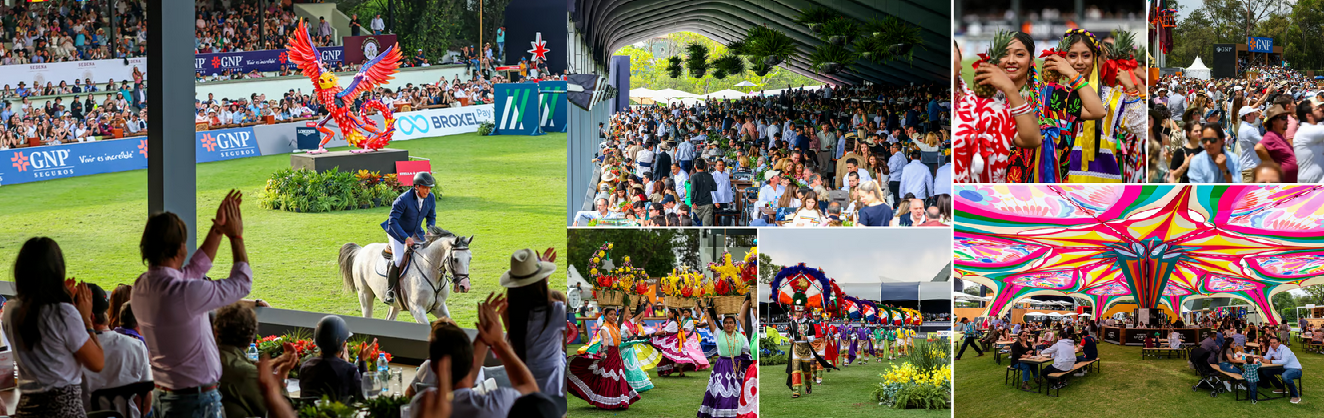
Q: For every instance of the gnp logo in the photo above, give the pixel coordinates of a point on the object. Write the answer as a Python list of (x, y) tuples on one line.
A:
[(230, 144), (516, 105), (43, 163)]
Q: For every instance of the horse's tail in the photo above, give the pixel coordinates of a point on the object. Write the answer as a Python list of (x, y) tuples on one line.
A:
[(347, 253)]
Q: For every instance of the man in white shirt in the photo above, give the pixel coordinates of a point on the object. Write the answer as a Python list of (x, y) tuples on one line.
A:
[(942, 183), (679, 176), (771, 191), (377, 25), (644, 160), (1247, 136), (126, 362), (723, 194), (1309, 142)]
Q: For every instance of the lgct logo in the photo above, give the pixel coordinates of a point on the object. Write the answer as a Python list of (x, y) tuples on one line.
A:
[(408, 125)]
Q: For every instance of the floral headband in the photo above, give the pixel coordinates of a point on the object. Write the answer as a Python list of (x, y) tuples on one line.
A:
[(1086, 34)]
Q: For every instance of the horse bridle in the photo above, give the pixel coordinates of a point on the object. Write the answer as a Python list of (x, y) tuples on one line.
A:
[(448, 266)]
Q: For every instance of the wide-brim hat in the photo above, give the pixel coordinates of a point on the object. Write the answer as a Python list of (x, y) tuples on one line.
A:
[(526, 269), (1274, 111)]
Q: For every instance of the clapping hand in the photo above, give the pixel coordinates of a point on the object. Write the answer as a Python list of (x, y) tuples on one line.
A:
[(367, 350), (276, 405), (489, 327), (228, 219), (436, 404)]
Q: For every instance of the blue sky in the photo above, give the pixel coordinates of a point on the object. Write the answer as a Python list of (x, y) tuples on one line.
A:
[(857, 257)]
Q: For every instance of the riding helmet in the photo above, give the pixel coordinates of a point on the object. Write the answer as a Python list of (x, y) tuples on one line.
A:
[(424, 178)]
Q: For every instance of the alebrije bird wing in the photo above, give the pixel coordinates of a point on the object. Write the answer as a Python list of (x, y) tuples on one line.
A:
[(303, 53), (375, 72)]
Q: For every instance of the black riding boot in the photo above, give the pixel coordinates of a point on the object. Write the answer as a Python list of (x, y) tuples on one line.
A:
[(392, 280)]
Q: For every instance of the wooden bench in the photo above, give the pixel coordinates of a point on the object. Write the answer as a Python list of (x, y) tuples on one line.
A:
[(1166, 352), (1080, 365)]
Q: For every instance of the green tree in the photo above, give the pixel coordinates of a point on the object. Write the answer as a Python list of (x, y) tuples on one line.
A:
[(654, 250), (767, 270), (1286, 305), (648, 68), (435, 26)]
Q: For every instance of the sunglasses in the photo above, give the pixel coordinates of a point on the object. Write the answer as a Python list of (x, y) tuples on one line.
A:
[(1209, 140)]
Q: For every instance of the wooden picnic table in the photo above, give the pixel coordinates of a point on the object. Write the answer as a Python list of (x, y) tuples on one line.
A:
[(997, 352)]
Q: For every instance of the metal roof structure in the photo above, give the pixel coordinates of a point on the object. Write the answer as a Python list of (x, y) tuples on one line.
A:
[(608, 25)]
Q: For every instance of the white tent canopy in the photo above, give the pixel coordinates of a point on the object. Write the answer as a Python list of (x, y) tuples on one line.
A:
[(672, 93), (746, 83), (1054, 314), (724, 94), (642, 93), (1198, 70)]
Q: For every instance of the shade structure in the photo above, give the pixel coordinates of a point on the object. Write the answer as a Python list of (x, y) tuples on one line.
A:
[(642, 93), (1086, 314), (746, 83), (1054, 314), (727, 94), (1070, 314), (673, 93), (1148, 245), (1198, 70)]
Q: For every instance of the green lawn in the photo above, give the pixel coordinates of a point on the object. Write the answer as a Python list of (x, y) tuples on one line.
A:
[(844, 393), (508, 191), (1126, 388), (670, 397)]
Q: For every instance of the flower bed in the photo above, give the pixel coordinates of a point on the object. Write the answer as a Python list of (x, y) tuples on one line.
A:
[(305, 190), (274, 346), (923, 382)]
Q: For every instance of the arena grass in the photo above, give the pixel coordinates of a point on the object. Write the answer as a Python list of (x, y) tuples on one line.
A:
[(508, 191), (845, 393), (1127, 387), (670, 397)]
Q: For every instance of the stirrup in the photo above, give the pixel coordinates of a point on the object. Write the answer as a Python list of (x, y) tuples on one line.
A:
[(387, 253)]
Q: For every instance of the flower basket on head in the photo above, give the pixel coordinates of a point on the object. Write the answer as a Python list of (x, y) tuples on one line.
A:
[(612, 298), (728, 305), (679, 302)]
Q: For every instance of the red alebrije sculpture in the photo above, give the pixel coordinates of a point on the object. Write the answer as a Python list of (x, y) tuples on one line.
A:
[(339, 102)]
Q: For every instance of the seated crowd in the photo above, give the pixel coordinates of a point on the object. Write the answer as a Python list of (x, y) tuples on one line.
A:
[(60, 31), (83, 118), (236, 28), (830, 157), (139, 352)]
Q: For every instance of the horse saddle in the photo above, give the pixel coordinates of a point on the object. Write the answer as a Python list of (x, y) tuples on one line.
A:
[(381, 268)]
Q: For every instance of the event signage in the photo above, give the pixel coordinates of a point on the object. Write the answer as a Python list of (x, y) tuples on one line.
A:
[(225, 144), (307, 137), (439, 122), (265, 60), (405, 170), (99, 71), (517, 109), (1258, 44), (26, 165), (359, 49), (551, 106)]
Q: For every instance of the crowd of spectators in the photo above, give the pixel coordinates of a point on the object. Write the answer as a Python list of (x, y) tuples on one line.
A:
[(93, 113), (66, 30), (1262, 127), (237, 28), (831, 157), (138, 352)]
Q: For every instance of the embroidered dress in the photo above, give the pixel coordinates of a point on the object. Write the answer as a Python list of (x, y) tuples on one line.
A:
[(1102, 148), (722, 399), (634, 372), (1059, 120), (981, 142), (601, 380), (749, 394), (675, 358)]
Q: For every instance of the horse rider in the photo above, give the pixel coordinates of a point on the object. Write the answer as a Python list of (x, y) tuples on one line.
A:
[(403, 229)]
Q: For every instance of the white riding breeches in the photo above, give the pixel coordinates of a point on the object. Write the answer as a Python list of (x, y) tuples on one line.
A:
[(397, 250)]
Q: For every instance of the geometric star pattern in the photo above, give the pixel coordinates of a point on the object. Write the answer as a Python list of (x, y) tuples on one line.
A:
[(1142, 244)]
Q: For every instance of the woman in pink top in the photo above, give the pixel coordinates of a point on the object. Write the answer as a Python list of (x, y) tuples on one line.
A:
[(1274, 147)]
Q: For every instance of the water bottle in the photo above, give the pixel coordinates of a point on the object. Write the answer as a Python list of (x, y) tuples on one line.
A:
[(252, 352), (383, 372)]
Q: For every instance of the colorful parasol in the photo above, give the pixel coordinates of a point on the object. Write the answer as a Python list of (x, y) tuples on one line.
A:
[(1148, 245)]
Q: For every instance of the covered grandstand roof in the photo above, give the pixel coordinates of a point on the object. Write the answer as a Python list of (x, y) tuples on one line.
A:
[(608, 25)]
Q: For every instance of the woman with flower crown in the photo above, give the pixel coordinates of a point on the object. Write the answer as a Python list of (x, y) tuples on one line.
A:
[(1106, 150)]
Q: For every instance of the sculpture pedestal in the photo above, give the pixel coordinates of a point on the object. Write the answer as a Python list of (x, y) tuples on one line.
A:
[(382, 161)]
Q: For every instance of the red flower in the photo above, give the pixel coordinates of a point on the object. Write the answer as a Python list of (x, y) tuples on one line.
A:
[(723, 287), (687, 292), (640, 288), (604, 281)]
